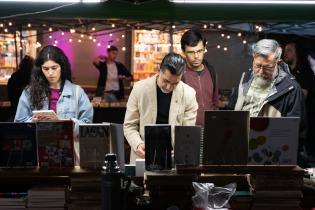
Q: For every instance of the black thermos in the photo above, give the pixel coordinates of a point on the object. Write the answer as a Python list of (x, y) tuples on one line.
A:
[(112, 180)]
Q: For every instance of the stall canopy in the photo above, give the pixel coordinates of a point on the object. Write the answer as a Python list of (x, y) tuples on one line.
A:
[(160, 14)]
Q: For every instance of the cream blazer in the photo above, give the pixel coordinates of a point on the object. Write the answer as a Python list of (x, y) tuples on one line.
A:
[(142, 110)]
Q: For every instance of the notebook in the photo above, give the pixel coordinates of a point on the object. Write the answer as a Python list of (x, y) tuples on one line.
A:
[(273, 141), (158, 147), (225, 137), (18, 145), (55, 144), (187, 145), (117, 143)]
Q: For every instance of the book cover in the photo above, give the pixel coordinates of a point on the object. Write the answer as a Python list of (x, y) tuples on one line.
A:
[(273, 141), (94, 144), (55, 144), (225, 137), (117, 143), (187, 145), (18, 145), (158, 147)]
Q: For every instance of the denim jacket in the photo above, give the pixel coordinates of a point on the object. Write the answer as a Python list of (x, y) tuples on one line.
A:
[(68, 107)]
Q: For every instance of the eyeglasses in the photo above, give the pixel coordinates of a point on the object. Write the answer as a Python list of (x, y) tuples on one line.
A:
[(264, 68), (198, 52)]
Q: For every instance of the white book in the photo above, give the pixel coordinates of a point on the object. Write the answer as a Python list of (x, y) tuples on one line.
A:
[(273, 141), (94, 144)]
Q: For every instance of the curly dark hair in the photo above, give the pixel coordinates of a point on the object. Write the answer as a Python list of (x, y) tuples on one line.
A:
[(39, 85)]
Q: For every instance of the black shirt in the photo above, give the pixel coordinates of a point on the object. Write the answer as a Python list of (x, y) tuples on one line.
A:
[(163, 106)]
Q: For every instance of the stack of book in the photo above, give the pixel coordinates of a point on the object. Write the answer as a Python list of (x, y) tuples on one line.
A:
[(277, 192), (14, 200), (47, 198), (85, 193)]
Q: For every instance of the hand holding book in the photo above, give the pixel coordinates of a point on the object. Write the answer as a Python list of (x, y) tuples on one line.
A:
[(44, 115)]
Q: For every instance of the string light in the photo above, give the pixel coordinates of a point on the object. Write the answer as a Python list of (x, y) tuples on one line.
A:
[(72, 30), (1, 25), (239, 34), (70, 40), (123, 36), (218, 46), (113, 25), (222, 35), (260, 29), (205, 26), (123, 48), (206, 50), (94, 40), (225, 49), (37, 45), (50, 29), (29, 25), (108, 46), (6, 30), (98, 44), (56, 41), (244, 41), (93, 29), (55, 45), (62, 33), (90, 37), (82, 35), (79, 40), (10, 24), (228, 36), (110, 34), (219, 26), (211, 25), (173, 26), (50, 36)]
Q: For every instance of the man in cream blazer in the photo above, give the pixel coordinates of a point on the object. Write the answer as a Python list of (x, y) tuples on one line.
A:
[(177, 103)]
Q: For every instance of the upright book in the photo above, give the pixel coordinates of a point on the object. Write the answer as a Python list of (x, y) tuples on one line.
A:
[(225, 137), (187, 145), (94, 144), (18, 145), (158, 147), (117, 144), (55, 144), (273, 141)]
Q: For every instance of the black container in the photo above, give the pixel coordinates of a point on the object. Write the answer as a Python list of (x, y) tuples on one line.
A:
[(114, 190)]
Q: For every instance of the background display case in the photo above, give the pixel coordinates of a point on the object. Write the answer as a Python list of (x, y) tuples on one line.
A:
[(149, 48)]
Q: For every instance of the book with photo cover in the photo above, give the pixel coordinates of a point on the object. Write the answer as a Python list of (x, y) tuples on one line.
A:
[(18, 145), (94, 144), (55, 144), (226, 137), (273, 140), (187, 145), (158, 147)]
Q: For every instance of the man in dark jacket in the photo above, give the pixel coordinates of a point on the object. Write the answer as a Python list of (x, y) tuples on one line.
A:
[(112, 74), (199, 74), (268, 89)]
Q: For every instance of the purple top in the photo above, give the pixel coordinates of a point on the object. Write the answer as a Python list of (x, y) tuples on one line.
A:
[(54, 96)]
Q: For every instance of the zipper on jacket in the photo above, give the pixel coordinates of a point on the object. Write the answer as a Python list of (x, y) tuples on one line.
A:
[(202, 101)]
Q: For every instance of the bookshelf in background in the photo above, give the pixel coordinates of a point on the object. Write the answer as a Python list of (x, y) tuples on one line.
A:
[(149, 48)]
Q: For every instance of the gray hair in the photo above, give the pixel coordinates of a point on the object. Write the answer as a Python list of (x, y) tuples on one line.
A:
[(267, 47)]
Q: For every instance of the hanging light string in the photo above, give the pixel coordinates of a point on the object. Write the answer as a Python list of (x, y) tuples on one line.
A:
[(38, 12)]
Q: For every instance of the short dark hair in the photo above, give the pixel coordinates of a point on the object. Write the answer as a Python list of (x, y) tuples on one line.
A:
[(192, 38), (173, 62), (112, 48)]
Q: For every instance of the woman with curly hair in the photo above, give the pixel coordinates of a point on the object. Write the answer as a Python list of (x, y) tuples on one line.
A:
[(51, 89)]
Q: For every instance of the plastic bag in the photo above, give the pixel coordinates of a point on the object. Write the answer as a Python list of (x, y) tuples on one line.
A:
[(210, 197)]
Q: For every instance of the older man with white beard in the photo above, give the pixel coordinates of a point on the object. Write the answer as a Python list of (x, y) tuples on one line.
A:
[(268, 89)]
